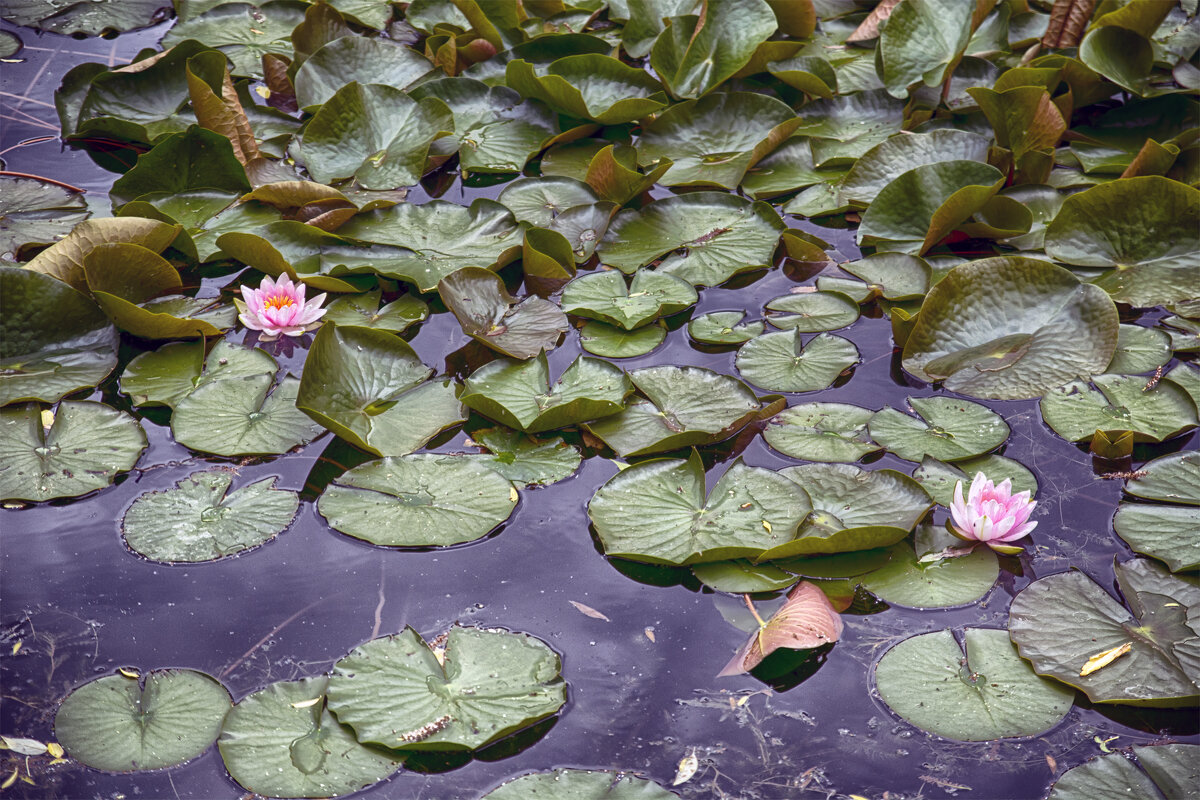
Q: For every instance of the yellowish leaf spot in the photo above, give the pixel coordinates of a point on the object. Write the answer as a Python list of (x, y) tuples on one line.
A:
[(47, 418), (767, 526), (513, 494), (16, 647), (1101, 660), (11, 779), (262, 92), (55, 749), (129, 673), (307, 703)]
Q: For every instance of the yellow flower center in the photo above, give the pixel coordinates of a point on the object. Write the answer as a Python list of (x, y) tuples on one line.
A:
[(277, 302)]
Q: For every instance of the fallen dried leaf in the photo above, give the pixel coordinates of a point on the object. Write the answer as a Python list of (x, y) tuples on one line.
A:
[(687, 768), (1102, 660), (588, 611)]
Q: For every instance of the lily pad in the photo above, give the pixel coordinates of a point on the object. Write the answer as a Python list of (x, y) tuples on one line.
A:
[(902, 152), (783, 362), (740, 576), (715, 140), (922, 580), (709, 237), (939, 478), (445, 237), (810, 312), (356, 59), (370, 388), (282, 741), (602, 339), (85, 18), (828, 432), (520, 394), (1174, 478), (1062, 621), (53, 339), (1140, 230), (1167, 533), (200, 520), (527, 460), (694, 54), (853, 509), (489, 684), (806, 621), (1139, 349), (1171, 769), (946, 429), (723, 327), (589, 86), (684, 406), (243, 32), (579, 784), (787, 168), (1119, 402), (122, 724), (605, 296), (363, 310), (64, 259), (36, 212), (1033, 326), (989, 694), (422, 500), (167, 375), (83, 448), (243, 416), (655, 512), (922, 42), (539, 201), (844, 127), (375, 134), (493, 317), (895, 276)]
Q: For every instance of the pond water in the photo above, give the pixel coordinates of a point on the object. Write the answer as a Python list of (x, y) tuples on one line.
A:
[(642, 687)]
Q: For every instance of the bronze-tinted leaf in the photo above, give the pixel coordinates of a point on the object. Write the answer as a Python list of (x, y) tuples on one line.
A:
[(807, 620)]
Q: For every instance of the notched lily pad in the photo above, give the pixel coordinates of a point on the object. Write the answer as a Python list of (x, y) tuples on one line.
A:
[(1119, 403), (723, 327), (811, 312), (1170, 771), (822, 432), (604, 296), (946, 428), (580, 784), (243, 416), (783, 362), (493, 317)]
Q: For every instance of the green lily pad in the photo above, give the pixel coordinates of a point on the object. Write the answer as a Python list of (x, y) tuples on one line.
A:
[(827, 432), (853, 509), (282, 741), (527, 460), (356, 59), (36, 212), (165, 376), (53, 339), (243, 32), (85, 18), (422, 500), (787, 168), (579, 784), (589, 86), (1140, 230), (1033, 326), (939, 478), (1119, 402), (493, 317), (193, 160), (445, 237), (740, 576), (1174, 478), (539, 201), (1139, 349), (495, 130), (684, 407), (362, 310), (243, 416), (836, 565), (490, 684), (1171, 769), (897, 154), (811, 312), (922, 42), (605, 296), (707, 237), (602, 339), (655, 512), (946, 429), (82, 450), (613, 173), (1062, 621), (199, 521), (989, 694), (520, 395), (714, 140), (123, 724), (783, 362), (895, 276), (375, 134), (845, 127), (694, 54), (1186, 377), (908, 580), (370, 388), (723, 327), (1167, 533), (922, 206)]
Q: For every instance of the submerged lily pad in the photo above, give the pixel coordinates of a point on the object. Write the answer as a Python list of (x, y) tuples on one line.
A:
[(122, 724), (421, 500), (784, 362), (656, 512), (605, 296), (493, 317), (490, 683), (946, 429), (1033, 326), (520, 394), (580, 784), (1119, 403), (990, 694), (82, 449), (1170, 771), (53, 339), (822, 432), (282, 741), (684, 406), (1062, 621), (200, 520)]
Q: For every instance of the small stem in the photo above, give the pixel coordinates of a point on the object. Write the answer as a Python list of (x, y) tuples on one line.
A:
[(44, 180), (754, 611)]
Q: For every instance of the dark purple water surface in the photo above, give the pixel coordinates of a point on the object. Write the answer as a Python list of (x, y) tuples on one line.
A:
[(81, 604)]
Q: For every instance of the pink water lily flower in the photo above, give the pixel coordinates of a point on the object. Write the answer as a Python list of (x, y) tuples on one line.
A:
[(278, 308), (991, 514)]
